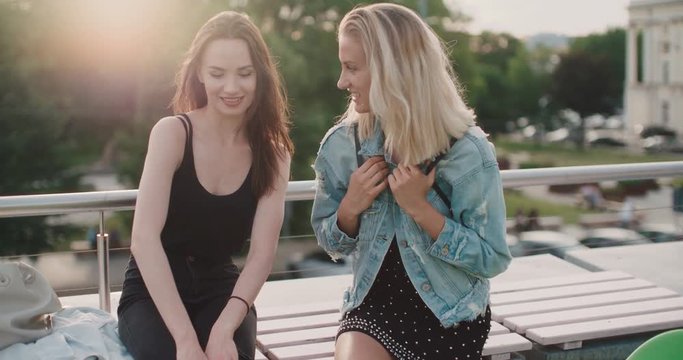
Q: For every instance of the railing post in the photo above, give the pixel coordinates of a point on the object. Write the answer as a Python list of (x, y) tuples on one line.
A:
[(103, 263)]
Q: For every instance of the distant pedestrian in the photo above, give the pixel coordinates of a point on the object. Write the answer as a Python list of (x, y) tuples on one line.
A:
[(592, 196), (521, 220), (677, 200), (626, 216), (532, 220)]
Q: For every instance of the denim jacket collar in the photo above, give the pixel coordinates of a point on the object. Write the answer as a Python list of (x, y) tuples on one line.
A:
[(374, 145)]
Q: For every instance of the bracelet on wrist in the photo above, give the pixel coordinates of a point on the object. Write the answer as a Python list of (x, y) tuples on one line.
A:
[(240, 299)]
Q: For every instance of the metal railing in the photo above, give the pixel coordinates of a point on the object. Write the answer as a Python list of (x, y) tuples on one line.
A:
[(101, 201)]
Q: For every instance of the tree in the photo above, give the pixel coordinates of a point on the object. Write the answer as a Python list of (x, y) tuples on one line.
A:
[(581, 82), (611, 48), (35, 154)]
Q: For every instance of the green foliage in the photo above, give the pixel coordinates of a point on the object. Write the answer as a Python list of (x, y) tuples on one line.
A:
[(534, 165), (35, 153), (515, 200), (76, 82), (590, 77), (610, 45)]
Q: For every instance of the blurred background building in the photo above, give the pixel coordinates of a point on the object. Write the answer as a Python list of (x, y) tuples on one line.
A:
[(654, 71)]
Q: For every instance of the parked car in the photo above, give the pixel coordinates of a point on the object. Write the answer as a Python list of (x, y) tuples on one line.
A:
[(661, 143), (660, 232), (657, 130), (318, 263), (544, 242), (612, 236)]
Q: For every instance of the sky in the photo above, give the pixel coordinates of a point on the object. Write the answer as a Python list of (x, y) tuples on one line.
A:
[(528, 17)]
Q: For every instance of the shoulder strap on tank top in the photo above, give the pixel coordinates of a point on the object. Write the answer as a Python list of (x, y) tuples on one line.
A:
[(188, 130)]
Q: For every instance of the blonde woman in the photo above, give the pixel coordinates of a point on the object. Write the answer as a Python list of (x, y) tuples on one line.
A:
[(409, 186), (215, 175)]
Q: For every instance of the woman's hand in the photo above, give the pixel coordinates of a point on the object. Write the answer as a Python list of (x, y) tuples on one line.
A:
[(189, 351), (410, 187), (221, 346), (365, 184)]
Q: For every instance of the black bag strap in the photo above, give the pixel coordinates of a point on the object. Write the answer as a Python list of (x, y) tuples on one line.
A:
[(435, 186), (359, 158)]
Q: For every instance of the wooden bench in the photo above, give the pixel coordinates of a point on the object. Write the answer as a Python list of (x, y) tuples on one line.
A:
[(565, 311), (308, 332)]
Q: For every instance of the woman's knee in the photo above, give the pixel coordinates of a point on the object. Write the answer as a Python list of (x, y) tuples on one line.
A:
[(144, 333), (355, 345)]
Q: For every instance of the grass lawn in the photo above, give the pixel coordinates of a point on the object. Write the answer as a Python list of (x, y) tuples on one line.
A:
[(548, 155), (514, 199), (568, 155)]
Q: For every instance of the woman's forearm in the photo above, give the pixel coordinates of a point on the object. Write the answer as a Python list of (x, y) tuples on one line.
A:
[(254, 274), (429, 219), (347, 221), (158, 278)]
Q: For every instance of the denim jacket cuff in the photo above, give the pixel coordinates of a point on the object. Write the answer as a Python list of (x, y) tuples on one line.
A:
[(337, 235), (446, 247)]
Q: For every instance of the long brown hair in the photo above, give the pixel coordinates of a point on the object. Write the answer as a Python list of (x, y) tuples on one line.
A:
[(267, 119)]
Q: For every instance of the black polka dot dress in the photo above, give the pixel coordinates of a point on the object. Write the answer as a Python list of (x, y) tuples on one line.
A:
[(395, 316)]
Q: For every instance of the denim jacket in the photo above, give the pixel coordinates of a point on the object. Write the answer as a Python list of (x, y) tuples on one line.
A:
[(450, 274)]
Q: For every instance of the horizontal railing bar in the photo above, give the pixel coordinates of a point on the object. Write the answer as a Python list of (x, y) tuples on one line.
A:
[(591, 173), (58, 204)]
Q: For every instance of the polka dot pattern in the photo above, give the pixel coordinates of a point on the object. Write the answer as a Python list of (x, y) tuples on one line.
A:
[(395, 316)]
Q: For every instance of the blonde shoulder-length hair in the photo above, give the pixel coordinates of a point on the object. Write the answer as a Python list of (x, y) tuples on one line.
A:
[(414, 93)]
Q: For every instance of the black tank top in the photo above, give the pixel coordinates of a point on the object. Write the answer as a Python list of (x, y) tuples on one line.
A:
[(201, 224)]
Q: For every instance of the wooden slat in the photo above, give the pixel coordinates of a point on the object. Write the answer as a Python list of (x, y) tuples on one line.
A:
[(278, 312), (505, 343), (569, 291), (520, 324), (499, 313), (297, 337), (260, 356), (297, 323), (498, 287), (606, 328), (303, 352), (497, 328)]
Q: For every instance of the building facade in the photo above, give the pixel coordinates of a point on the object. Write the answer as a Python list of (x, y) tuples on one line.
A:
[(654, 65)]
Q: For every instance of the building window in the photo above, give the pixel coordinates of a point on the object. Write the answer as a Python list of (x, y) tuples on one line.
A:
[(639, 57), (665, 113), (665, 72)]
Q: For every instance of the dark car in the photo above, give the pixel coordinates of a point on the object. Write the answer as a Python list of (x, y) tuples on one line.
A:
[(543, 242), (318, 263), (612, 237), (656, 130), (660, 232)]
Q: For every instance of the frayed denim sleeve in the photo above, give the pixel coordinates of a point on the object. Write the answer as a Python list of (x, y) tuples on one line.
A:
[(475, 240), (330, 189)]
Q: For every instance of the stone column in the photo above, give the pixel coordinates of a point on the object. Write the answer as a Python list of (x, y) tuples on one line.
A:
[(631, 55)]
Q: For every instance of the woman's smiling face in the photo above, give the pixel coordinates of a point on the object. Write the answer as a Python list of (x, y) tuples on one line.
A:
[(229, 76), (355, 72)]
